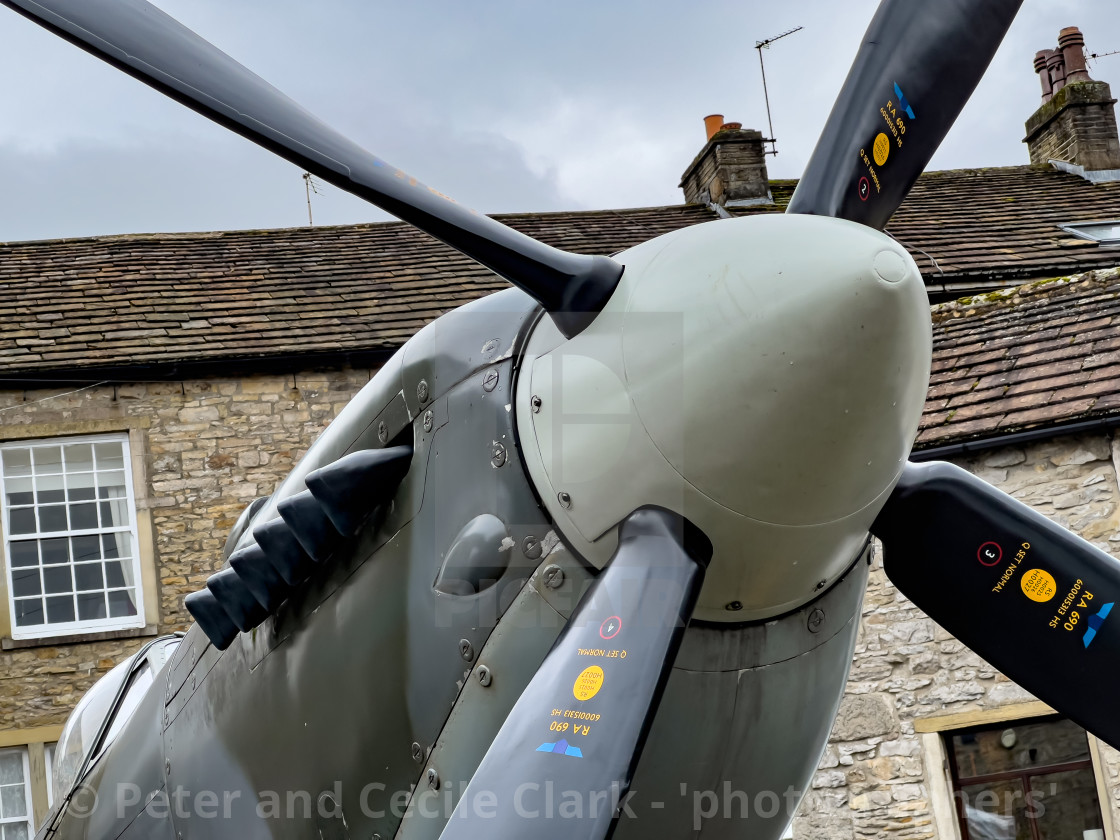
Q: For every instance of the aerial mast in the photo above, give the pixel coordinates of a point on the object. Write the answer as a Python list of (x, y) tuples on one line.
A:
[(760, 46)]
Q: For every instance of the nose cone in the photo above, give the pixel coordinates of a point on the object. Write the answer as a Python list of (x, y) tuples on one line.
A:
[(788, 388)]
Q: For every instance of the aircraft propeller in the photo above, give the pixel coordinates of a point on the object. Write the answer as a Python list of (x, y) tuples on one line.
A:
[(949, 539)]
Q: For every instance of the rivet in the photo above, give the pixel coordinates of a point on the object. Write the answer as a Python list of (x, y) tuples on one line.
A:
[(417, 751), (466, 649), (194, 683), (820, 585), (816, 619), (382, 432), (167, 767), (433, 778), (422, 391), (734, 606), (429, 420), (532, 547), (490, 381), (553, 576), (564, 499), (484, 676), (497, 455), (536, 403)]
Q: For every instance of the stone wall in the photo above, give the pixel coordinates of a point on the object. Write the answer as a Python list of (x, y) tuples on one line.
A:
[(876, 779), (209, 447)]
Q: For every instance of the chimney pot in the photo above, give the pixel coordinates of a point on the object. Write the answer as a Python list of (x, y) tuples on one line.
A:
[(1072, 44), (1041, 61), (731, 126), (1056, 65), (712, 124)]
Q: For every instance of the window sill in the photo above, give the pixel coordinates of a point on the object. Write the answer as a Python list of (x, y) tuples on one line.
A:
[(7, 643)]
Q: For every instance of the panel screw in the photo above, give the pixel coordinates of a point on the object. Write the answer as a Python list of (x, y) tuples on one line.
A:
[(194, 683), (490, 381), (466, 649), (553, 576), (497, 455), (429, 420), (382, 432), (536, 403), (490, 346), (417, 751), (564, 499), (532, 547), (734, 606), (816, 619), (422, 391), (484, 676), (433, 778), (167, 767)]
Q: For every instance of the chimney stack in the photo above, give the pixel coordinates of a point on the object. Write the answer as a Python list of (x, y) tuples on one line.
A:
[(731, 168), (1076, 124)]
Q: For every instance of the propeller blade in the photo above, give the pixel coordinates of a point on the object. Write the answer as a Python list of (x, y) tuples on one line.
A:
[(141, 40), (1037, 602), (582, 721), (919, 63)]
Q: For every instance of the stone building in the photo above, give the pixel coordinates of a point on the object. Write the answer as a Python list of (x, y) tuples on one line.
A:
[(151, 386)]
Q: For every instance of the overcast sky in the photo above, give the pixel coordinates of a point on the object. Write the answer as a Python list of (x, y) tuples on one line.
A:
[(507, 105)]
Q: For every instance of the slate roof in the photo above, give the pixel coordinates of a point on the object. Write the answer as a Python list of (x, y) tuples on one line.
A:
[(1041, 355), (156, 304)]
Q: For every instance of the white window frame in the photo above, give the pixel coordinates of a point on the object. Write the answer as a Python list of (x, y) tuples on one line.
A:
[(29, 808), (78, 626), (48, 766)]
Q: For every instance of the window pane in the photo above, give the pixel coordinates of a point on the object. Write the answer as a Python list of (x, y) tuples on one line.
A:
[(995, 811), (52, 518), (47, 459), (116, 545), (85, 548), (1032, 744), (17, 462), (88, 576), (55, 551), (91, 606), (114, 574), (11, 770), (20, 491), (12, 801), (56, 579), (25, 553), (21, 521), (83, 517), (29, 612), (1067, 804), (110, 485), (109, 456), (16, 831), (49, 489), (60, 609), (120, 603), (79, 457), (26, 582)]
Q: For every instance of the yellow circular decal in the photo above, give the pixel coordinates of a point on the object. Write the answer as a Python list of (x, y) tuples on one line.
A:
[(1039, 585), (882, 149), (588, 683)]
